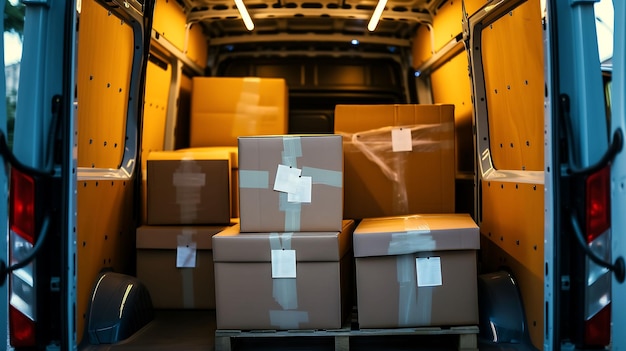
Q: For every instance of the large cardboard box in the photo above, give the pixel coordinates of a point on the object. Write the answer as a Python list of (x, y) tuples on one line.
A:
[(290, 183), (283, 281), (399, 159), (176, 265), (224, 108), (188, 188), (416, 271), (233, 152)]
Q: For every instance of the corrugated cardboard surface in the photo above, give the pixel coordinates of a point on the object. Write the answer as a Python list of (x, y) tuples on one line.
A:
[(424, 177), (261, 209), (414, 233), (233, 151), (386, 251), (223, 108), (188, 188), (231, 245), (248, 297), (169, 286)]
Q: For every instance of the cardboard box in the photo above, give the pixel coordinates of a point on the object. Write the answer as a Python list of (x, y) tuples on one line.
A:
[(309, 167), (313, 291), (188, 188), (417, 271), (224, 108), (382, 182), (188, 284), (218, 151)]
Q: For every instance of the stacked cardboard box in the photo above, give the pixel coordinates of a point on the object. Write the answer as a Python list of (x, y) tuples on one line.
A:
[(188, 201), (399, 159), (287, 265), (417, 270), (224, 108)]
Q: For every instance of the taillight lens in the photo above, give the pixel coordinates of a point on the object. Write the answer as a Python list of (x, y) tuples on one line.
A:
[(22, 236), (597, 325), (598, 204)]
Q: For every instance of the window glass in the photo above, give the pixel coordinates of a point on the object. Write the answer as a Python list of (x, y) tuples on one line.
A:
[(13, 34)]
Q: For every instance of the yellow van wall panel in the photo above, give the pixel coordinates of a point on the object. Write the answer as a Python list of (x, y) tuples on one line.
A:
[(155, 113), (197, 45), (422, 45), (448, 19), (514, 84), (105, 236), (460, 95), (102, 86), (512, 236), (170, 22)]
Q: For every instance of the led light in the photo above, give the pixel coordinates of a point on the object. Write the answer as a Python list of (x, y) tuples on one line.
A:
[(354, 42), (376, 15), (245, 16)]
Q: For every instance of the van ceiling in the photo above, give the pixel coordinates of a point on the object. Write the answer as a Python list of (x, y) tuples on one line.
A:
[(310, 20)]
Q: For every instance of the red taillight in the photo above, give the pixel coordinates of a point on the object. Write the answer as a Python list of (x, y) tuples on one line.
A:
[(598, 204), (598, 328), (22, 283), (22, 329), (22, 211)]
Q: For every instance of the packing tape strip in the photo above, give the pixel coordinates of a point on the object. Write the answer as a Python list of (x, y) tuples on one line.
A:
[(284, 290), (292, 150), (188, 179), (249, 179), (288, 319), (407, 285), (324, 176)]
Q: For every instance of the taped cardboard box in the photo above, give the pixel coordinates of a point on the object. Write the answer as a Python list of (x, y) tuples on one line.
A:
[(176, 265), (283, 281), (188, 188), (224, 108), (399, 159), (416, 271), (290, 183), (218, 151)]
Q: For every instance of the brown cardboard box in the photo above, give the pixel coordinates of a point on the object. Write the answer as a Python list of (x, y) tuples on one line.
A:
[(233, 151), (320, 160), (223, 108), (379, 182), (171, 286), (247, 296), (417, 271), (188, 188)]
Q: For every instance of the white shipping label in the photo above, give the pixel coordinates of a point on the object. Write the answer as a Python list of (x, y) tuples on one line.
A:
[(401, 139), (287, 179), (283, 263), (303, 194), (186, 255), (428, 271)]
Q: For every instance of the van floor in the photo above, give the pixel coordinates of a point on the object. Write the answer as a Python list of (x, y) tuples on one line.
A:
[(194, 330)]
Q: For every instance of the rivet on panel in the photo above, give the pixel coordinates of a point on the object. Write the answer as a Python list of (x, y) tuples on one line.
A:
[(488, 184), (501, 145), (106, 237), (115, 145), (517, 242), (508, 87), (90, 141), (84, 243), (108, 85), (501, 238), (96, 183), (527, 143), (84, 184), (112, 183), (93, 165), (526, 82), (489, 234), (105, 143), (511, 144), (534, 187), (501, 186), (535, 247), (496, 91), (534, 323), (119, 90), (90, 77), (516, 186)]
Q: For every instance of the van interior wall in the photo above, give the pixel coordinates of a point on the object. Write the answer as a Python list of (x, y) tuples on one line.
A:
[(511, 215), (105, 232)]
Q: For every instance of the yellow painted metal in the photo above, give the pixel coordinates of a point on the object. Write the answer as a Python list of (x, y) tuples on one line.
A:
[(512, 56), (170, 22), (103, 86), (512, 231), (460, 95), (158, 81), (448, 19), (105, 236), (422, 45), (197, 45)]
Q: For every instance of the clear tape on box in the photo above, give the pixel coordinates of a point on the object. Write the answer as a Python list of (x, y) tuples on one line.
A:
[(251, 117), (285, 292), (389, 148)]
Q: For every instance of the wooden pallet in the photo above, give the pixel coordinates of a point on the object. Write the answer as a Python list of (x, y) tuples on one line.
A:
[(467, 335)]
